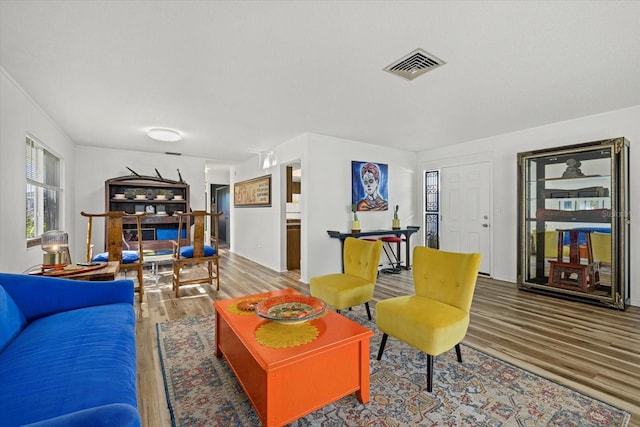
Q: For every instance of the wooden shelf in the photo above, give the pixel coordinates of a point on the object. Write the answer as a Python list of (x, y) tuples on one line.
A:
[(163, 228), (596, 200)]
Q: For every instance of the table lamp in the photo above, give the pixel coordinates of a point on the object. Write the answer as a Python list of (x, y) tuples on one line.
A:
[(56, 245)]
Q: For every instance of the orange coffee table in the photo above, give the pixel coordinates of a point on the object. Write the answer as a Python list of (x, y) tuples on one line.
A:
[(284, 384)]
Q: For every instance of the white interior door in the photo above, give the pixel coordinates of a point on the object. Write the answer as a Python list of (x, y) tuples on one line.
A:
[(466, 205)]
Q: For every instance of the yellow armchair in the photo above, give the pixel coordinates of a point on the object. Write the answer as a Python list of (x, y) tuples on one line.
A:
[(601, 244), (356, 285), (550, 244), (436, 318)]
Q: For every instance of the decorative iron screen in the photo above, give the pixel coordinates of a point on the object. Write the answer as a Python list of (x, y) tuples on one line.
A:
[(432, 209)]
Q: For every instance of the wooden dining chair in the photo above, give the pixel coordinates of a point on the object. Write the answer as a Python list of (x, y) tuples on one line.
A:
[(115, 243), (195, 251)]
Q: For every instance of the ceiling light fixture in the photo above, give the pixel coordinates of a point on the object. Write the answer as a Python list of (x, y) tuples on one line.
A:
[(163, 134), (268, 160)]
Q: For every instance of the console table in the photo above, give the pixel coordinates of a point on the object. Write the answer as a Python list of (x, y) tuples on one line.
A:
[(406, 232)]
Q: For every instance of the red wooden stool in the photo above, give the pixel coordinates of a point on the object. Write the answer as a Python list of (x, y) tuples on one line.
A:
[(392, 256), (561, 272)]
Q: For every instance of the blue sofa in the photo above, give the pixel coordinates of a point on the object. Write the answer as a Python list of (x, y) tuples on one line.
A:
[(67, 352)]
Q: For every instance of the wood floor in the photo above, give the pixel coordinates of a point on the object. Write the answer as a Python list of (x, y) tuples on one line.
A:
[(592, 349)]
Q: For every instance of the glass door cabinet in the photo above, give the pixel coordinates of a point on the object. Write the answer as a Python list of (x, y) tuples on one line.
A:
[(573, 222)]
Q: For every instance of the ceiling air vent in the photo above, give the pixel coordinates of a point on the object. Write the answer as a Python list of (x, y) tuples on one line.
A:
[(414, 64)]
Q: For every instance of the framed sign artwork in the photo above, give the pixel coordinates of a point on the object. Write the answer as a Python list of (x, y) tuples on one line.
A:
[(254, 192)]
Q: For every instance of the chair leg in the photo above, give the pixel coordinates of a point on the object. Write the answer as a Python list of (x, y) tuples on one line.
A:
[(140, 283), (394, 260), (217, 276), (458, 353), (382, 344), (429, 372), (176, 279), (366, 304), (210, 271)]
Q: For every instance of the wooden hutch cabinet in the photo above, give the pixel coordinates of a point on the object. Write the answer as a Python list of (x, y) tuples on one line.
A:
[(159, 199), (573, 222)]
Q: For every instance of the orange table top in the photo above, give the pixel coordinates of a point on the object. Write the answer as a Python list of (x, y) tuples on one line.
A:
[(334, 330)]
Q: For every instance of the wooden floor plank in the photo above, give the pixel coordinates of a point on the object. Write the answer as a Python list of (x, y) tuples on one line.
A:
[(594, 350)]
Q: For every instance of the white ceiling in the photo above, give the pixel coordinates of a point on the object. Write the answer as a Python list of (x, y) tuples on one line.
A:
[(237, 78)]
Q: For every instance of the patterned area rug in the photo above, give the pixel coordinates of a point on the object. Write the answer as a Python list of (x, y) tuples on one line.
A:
[(482, 391)]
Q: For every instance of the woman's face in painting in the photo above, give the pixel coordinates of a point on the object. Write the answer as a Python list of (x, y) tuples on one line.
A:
[(370, 183)]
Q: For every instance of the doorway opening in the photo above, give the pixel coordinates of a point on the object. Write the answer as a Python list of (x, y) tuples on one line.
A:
[(220, 203), (293, 216)]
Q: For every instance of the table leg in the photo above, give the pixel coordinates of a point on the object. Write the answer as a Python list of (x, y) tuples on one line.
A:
[(218, 352), (407, 251), (363, 393), (154, 270)]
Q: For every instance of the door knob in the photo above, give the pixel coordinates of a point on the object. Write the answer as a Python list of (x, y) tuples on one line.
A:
[(485, 225)]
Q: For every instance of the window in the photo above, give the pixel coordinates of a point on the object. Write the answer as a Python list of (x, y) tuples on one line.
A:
[(432, 209), (44, 194)]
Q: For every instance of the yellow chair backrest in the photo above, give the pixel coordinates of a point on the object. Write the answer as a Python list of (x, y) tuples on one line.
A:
[(550, 244), (601, 243), (361, 258), (448, 277)]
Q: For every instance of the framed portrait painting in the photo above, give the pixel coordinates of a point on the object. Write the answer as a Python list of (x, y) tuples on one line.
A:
[(369, 186)]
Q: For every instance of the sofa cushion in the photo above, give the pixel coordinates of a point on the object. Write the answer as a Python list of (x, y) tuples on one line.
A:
[(67, 362), (11, 319), (112, 415)]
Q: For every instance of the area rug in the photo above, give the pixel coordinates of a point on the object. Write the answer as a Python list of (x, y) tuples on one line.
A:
[(482, 391)]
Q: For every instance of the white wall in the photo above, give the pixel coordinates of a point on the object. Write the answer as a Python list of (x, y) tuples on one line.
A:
[(327, 186), (19, 116), (502, 151), (325, 161), (258, 233), (96, 165), (214, 176)]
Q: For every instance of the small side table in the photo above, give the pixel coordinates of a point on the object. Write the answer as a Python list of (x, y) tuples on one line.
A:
[(106, 272), (155, 260)]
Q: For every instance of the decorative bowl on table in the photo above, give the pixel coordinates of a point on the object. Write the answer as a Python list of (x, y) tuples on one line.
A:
[(291, 309)]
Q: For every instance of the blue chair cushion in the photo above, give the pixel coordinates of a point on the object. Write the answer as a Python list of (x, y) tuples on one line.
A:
[(582, 237), (12, 321), (187, 251), (127, 257)]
